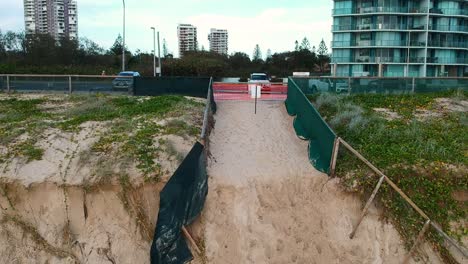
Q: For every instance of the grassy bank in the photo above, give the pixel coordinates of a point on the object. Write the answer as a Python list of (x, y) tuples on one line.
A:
[(420, 142), (133, 128)]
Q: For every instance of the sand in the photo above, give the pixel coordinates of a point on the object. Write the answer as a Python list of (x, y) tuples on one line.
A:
[(57, 210), (267, 204)]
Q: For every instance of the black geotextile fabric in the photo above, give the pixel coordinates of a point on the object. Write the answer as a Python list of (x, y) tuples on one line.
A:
[(155, 86), (214, 107), (182, 200)]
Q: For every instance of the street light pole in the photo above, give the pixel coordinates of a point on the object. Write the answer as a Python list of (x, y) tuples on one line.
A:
[(159, 58), (123, 46), (154, 51)]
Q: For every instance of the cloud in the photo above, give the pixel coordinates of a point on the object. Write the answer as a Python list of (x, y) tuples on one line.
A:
[(273, 25), (275, 29)]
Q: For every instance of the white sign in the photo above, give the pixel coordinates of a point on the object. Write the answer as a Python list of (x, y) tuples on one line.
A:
[(301, 74)]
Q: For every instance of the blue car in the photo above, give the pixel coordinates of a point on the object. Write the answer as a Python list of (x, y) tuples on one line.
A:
[(124, 80)]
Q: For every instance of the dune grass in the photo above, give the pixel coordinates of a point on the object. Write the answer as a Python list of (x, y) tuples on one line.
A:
[(425, 157), (130, 124)]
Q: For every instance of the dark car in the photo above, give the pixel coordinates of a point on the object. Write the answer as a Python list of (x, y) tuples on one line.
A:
[(124, 81)]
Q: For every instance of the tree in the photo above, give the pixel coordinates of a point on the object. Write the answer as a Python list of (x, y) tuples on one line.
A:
[(296, 46), (305, 45), (116, 49), (164, 48), (314, 49), (13, 41), (2, 46), (90, 47), (67, 51), (323, 56), (322, 50), (257, 53), (40, 49), (239, 60), (268, 54)]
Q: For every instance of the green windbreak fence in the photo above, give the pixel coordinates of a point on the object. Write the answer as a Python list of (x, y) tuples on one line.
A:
[(359, 85), (189, 86), (309, 125)]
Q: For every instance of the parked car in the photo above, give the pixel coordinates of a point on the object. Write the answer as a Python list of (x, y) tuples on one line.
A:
[(124, 80), (328, 85), (258, 79)]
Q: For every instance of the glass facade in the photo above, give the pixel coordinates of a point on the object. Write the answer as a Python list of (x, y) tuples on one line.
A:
[(400, 38)]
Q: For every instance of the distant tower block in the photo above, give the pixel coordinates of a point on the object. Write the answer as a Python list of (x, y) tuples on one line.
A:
[(218, 41), (187, 35), (58, 18)]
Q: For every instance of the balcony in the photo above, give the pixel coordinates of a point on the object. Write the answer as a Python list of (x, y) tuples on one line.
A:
[(447, 60), (377, 43), (452, 28), (401, 60), (449, 11), (379, 9), (448, 44), (369, 59), (374, 27)]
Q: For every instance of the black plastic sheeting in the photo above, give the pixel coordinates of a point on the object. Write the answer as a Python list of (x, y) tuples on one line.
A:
[(155, 86), (182, 200)]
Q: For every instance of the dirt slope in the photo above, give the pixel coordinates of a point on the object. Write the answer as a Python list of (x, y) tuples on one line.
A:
[(267, 204)]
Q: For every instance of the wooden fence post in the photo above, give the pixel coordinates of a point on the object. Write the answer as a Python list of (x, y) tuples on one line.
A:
[(417, 242), (368, 204), (336, 147)]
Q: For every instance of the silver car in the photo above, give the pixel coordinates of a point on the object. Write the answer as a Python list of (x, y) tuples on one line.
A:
[(124, 80)]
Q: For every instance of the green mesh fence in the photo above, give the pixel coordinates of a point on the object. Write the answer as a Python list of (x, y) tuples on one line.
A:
[(309, 125), (359, 85), (189, 86)]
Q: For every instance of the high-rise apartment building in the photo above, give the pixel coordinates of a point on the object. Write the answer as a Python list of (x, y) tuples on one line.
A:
[(187, 35), (397, 38), (59, 18), (218, 41)]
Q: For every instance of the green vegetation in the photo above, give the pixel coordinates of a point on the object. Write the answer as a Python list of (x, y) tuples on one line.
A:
[(42, 54), (132, 126), (425, 155)]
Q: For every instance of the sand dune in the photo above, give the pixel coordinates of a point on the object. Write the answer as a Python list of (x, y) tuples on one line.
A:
[(267, 204)]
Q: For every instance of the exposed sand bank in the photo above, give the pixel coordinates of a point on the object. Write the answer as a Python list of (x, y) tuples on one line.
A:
[(267, 204)]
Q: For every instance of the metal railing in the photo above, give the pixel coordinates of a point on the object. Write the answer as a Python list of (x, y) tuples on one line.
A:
[(380, 9), (404, 10), (452, 28), (400, 43), (381, 26), (380, 43), (417, 60), (65, 83), (449, 11)]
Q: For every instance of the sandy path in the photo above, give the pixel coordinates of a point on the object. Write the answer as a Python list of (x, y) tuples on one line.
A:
[(267, 204)]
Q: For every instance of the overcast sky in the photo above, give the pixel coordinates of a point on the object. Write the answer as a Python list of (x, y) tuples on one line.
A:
[(273, 24)]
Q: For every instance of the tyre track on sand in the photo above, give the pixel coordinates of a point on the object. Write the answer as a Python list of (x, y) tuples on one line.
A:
[(267, 204)]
